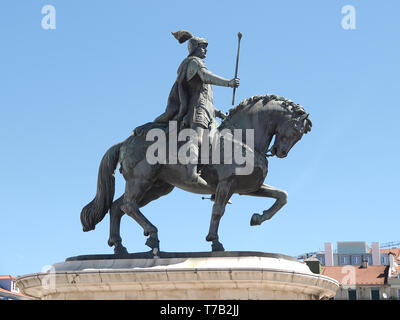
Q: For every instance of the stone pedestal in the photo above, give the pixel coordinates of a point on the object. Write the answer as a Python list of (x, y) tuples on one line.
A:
[(176, 276)]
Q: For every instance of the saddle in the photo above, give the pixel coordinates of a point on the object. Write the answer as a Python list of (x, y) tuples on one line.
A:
[(143, 129)]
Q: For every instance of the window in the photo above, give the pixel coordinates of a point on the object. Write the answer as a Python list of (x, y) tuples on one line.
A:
[(374, 294), (356, 260), (321, 258), (344, 260), (352, 294), (384, 260), (14, 287)]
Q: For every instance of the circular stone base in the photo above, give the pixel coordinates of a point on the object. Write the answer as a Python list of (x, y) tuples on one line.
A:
[(176, 276)]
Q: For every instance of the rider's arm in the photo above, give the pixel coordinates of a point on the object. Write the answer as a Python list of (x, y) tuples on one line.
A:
[(197, 66), (209, 78), (219, 114)]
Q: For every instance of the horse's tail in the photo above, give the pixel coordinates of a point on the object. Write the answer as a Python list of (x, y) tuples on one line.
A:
[(95, 211)]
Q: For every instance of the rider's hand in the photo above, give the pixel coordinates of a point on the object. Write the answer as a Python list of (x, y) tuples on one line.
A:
[(220, 114), (234, 83)]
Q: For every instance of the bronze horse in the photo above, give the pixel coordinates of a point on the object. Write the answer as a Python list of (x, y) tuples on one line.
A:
[(268, 115)]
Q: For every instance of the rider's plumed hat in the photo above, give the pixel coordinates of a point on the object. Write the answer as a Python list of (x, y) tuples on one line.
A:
[(194, 42)]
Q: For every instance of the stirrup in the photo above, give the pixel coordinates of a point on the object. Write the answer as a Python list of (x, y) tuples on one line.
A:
[(212, 198)]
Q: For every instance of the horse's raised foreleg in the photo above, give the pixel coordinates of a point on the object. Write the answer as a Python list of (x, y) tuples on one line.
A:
[(222, 196), (134, 191), (115, 221), (268, 192)]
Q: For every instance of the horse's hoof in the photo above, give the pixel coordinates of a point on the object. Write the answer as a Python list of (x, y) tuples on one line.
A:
[(211, 237), (153, 243), (217, 246), (155, 252), (267, 215), (120, 250), (255, 220)]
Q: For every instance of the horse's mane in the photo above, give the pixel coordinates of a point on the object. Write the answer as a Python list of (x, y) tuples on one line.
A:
[(296, 110), (287, 104)]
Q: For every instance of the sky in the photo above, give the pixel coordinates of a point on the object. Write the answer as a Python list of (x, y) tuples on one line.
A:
[(68, 94)]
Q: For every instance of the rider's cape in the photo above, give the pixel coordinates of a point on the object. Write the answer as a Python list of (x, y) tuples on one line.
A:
[(178, 99)]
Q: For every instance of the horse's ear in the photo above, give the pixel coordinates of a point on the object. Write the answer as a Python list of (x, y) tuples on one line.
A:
[(306, 122), (308, 125), (304, 116)]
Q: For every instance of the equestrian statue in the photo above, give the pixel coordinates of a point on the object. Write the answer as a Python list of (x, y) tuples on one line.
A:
[(190, 110)]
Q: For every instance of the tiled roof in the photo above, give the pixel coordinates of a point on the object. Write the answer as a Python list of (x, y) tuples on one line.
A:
[(13, 293), (396, 252), (7, 277), (361, 276)]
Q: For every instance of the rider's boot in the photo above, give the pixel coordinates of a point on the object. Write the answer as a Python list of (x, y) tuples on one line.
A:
[(194, 177)]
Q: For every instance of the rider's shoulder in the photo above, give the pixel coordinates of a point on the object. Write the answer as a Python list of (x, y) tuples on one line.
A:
[(196, 61), (194, 65)]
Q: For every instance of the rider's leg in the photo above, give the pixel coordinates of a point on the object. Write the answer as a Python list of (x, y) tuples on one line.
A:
[(194, 177)]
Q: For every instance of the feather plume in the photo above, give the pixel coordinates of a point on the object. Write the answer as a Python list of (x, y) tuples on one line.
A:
[(182, 35)]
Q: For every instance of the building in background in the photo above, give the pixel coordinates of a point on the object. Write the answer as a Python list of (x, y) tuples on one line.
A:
[(393, 278), (9, 290), (360, 282), (352, 253), (363, 272)]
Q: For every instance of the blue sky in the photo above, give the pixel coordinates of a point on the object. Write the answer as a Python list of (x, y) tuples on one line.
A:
[(67, 95)]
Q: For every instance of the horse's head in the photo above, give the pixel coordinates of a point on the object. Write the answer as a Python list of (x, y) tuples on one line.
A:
[(288, 133), (270, 115)]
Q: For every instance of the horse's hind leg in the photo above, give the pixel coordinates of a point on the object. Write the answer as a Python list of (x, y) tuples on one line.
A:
[(134, 192), (222, 195), (268, 192), (115, 221), (158, 190)]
